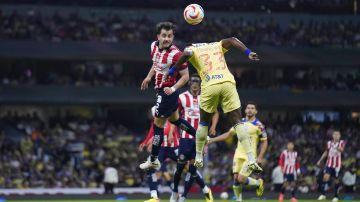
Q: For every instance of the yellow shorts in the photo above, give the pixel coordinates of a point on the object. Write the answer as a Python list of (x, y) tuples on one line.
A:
[(224, 94), (240, 167)]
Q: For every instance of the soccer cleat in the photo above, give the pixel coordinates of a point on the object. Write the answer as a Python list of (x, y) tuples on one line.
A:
[(182, 199), (281, 197), (293, 199), (254, 167), (152, 200), (335, 199), (148, 164), (209, 197), (174, 197), (198, 161), (260, 188), (321, 197)]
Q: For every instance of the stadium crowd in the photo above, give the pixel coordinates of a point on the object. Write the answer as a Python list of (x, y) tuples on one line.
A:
[(111, 28), (308, 6), (116, 74), (73, 151)]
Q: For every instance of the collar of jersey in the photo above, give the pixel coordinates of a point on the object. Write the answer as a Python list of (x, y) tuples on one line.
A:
[(161, 49)]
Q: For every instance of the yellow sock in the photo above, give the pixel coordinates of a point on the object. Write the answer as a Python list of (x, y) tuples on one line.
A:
[(238, 192), (201, 134), (244, 138)]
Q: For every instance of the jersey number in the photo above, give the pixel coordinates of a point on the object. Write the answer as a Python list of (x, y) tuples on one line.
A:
[(209, 64)]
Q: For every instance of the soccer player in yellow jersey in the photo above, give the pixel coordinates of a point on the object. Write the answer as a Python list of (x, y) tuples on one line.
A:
[(257, 132), (218, 87)]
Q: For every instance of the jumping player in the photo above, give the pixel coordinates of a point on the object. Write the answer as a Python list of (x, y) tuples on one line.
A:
[(218, 87), (333, 152), (290, 166), (164, 54), (257, 132)]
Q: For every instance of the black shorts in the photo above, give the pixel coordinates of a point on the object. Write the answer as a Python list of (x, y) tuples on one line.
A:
[(187, 149), (289, 177), (166, 104), (165, 153), (332, 171)]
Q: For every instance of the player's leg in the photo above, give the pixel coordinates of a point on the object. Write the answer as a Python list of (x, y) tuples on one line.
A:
[(337, 185), (244, 179), (237, 187), (293, 190), (153, 183), (181, 123), (230, 103), (188, 183), (284, 188), (209, 101), (324, 184), (201, 136), (200, 181)]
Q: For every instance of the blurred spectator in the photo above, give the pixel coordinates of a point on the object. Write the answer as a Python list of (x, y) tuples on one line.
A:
[(349, 179), (111, 178), (277, 178)]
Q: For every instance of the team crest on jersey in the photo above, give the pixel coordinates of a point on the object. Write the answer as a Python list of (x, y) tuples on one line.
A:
[(182, 157)]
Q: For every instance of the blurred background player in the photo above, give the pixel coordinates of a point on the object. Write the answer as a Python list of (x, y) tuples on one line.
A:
[(256, 132), (164, 54), (190, 111), (333, 151), (290, 166), (111, 178), (169, 150), (218, 87)]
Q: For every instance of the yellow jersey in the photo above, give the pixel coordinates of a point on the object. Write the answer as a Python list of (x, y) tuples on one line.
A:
[(209, 61), (256, 131)]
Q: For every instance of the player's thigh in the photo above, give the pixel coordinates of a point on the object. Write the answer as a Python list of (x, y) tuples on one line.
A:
[(174, 116), (209, 98), (229, 98), (237, 165), (160, 121), (245, 171)]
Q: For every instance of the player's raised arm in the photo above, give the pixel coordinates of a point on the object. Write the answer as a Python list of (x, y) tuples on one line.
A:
[(222, 137), (184, 57), (235, 42)]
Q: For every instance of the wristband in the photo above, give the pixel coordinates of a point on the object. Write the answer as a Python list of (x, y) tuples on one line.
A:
[(173, 88), (247, 52)]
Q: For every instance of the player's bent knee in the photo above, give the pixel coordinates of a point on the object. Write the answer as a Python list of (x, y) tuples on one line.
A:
[(242, 179), (326, 177), (160, 122)]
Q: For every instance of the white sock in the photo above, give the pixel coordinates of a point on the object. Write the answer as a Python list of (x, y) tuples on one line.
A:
[(153, 194), (205, 190)]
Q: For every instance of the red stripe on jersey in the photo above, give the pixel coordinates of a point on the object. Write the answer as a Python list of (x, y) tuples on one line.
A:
[(153, 50), (187, 100)]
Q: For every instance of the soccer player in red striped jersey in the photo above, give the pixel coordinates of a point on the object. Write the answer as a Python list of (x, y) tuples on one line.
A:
[(190, 111), (333, 152), (290, 166), (165, 54), (168, 150)]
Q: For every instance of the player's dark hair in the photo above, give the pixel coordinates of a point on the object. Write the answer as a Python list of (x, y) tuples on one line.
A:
[(252, 103), (166, 26), (195, 75)]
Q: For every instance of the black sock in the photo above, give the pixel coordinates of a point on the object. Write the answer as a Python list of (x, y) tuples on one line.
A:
[(293, 191), (177, 176), (152, 179), (283, 189), (157, 141), (186, 126), (336, 189)]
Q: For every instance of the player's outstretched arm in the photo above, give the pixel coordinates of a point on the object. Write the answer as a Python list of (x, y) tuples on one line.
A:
[(184, 57), (145, 83), (236, 43), (222, 137)]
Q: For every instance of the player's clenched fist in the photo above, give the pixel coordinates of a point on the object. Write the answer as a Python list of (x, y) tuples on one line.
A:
[(254, 56)]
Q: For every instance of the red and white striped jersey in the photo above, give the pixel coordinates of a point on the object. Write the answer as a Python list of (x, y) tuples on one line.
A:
[(289, 162), (163, 59), (175, 135), (334, 156), (189, 108)]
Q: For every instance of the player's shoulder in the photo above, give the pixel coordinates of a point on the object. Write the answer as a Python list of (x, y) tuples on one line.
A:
[(153, 44), (173, 48), (183, 95), (258, 123)]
